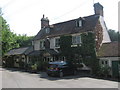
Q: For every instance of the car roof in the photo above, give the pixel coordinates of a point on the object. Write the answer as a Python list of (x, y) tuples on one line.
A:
[(58, 62)]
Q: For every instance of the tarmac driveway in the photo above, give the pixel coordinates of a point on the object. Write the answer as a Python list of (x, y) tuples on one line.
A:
[(19, 79)]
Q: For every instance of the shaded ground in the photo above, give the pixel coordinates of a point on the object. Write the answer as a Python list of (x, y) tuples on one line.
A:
[(12, 78)]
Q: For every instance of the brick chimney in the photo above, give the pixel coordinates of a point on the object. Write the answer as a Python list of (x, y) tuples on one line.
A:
[(44, 22), (98, 9)]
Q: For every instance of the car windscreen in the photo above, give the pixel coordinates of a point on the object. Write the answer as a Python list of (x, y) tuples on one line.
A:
[(57, 65), (53, 65)]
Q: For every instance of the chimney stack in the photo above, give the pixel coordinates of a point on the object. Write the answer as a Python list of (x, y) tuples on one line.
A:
[(44, 22), (98, 9)]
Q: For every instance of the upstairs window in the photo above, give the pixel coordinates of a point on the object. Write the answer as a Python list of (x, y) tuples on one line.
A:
[(57, 42), (76, 39), (47, 30), (42, 44), (78, 23)]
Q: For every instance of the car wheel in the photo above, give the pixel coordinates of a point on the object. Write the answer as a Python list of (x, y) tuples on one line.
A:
[(48, 74), (61, 74)]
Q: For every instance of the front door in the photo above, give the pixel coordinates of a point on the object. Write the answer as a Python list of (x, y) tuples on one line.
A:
[(115, 68)]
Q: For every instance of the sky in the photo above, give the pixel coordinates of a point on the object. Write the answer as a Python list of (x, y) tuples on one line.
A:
[(24, 16)]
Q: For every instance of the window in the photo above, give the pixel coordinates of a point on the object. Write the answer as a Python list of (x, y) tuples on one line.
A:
[(42, 44), (79, 23), (102, 62), (47, 30), (106, 62), (57, 42), (76, 39)]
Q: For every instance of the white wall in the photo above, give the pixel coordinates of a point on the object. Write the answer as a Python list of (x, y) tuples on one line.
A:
[(110, 59), (37, 45), (52, 42), (106, 37)]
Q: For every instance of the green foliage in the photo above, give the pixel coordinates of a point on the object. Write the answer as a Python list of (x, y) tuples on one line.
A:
[(45, 65), (40, 65), (114, 36), (85, 53), (104, 71), (24, 40), (34, 67), (9, 40), (88, 44), (88, 51), (65, 46)]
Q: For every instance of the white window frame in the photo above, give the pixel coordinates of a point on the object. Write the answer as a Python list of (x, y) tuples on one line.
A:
[(57, 43), (47, 30), (76, 39), (79, 23), (42, 44)]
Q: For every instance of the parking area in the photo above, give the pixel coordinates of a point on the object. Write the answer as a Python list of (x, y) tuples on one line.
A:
[(19, 79)]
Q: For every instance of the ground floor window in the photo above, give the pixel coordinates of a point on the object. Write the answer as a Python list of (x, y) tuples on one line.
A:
[(48, 59), (62, 58), (104, 62)]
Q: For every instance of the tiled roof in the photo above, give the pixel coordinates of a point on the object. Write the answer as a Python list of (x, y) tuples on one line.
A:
[(17, 51), (69, 27), (109, 50), (40, 52), (29, 50)]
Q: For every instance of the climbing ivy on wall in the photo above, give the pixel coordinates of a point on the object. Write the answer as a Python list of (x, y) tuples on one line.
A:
[(85, 53), (89, 52), (65, 46)]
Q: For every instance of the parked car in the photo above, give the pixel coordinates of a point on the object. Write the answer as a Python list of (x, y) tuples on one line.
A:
[(61, 68)]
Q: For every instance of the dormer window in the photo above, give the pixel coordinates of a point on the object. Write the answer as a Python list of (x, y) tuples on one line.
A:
[(47, 30), (79, 23)]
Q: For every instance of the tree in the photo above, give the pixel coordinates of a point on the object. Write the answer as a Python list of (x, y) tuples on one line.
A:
[(24, 40), (8, 38), (114, 36)]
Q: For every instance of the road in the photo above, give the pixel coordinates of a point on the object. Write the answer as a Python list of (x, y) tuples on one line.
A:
[(19, 79)]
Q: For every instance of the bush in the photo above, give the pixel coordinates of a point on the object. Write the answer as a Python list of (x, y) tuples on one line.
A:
[(45, 65), (104, 71), (41, 65), (34, 67)]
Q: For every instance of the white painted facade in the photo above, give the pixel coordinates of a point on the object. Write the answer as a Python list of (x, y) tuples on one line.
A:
[(109, 60), (37, 45), (106, 37), (52, 43)]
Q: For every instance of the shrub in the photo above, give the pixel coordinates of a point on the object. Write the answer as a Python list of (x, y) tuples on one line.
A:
[(34, 67), (104, 71), (45, 65)]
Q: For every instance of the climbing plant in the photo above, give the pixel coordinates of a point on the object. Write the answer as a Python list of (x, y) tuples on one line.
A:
[(89, 52), (65, 46), (85, 52)]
